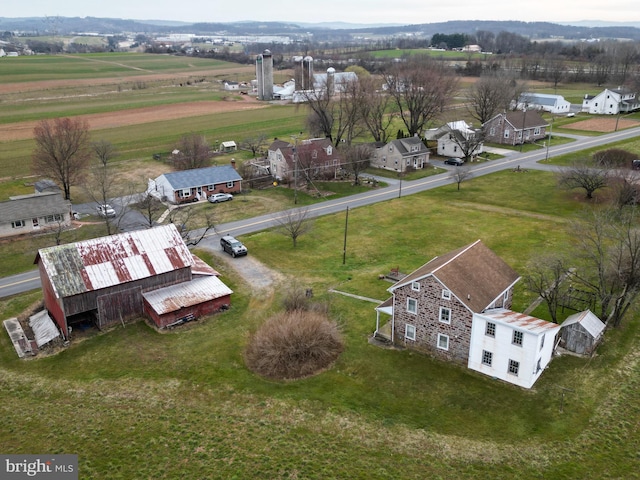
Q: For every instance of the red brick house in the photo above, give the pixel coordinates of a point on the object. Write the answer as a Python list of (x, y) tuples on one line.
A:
[(432, 308), (515, 128)]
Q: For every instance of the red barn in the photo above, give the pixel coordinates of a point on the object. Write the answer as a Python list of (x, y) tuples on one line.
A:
[(106, 279)]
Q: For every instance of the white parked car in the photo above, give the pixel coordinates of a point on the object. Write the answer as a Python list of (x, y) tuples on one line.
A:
[(106, 210), (220, 197)]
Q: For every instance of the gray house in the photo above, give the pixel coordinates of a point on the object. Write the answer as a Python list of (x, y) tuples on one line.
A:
[(34, 213), (196, 184), (400, 155)]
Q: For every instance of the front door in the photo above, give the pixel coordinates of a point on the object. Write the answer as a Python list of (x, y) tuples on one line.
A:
[(36, 224)]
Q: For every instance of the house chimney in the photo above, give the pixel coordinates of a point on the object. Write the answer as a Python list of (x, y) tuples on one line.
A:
[(233, 163)]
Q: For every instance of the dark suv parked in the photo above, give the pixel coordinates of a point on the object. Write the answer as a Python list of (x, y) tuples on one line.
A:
[(233, 247)]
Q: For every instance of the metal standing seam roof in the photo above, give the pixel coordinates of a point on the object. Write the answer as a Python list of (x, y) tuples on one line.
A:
[(198, 177), (44, 330), (588, 320), (520, 320), (107, 261), (198, 290)]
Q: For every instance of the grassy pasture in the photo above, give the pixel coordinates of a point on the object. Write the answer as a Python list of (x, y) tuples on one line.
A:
[(101, 65), (135, 402)]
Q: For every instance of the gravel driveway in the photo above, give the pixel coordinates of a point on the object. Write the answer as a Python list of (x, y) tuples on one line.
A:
[(251, 270)]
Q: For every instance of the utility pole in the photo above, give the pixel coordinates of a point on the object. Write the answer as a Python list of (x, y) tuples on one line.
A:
[(524, 123), (549, 141), (344, 249)]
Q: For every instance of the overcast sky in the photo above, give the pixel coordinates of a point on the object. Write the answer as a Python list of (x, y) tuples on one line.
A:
[(351, 11)]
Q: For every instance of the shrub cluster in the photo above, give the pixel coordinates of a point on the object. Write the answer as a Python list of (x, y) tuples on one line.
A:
[(294, 344)]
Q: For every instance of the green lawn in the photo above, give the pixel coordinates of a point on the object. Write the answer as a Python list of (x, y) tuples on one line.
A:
[(133, 403)]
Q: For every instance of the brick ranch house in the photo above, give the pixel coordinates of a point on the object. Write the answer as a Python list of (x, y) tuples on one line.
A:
[(196, 184), (438, 309), (111, 279)]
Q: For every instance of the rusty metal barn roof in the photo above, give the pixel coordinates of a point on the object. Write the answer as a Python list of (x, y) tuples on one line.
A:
[(186, 294), (107, 261)]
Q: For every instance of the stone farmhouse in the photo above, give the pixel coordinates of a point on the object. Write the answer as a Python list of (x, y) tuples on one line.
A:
[(315, 157), (515, 128), (401, 155), (456, 308)]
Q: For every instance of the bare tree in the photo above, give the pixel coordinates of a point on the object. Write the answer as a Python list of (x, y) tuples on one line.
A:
[(580, 175), (469, 141), (544, 277), (489, 96), (254, 144), (151, 209), (189, 222), (356, 159), (608, 245), (461, 174), (102, 179), (293, 224), (62, 151), (321, 116), (374, 109), (193, 152), (421, 89)]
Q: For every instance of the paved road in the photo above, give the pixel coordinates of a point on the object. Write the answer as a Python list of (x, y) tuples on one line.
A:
[(531, 160)]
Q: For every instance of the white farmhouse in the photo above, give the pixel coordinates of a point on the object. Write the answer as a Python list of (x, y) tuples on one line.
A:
[(611, 102), (511, 346)]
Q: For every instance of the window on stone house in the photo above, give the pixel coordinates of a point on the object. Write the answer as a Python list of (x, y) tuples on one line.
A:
[(409, 332), (415, 286), (446, 294), (443, 341), (412, 305), (445, 315)]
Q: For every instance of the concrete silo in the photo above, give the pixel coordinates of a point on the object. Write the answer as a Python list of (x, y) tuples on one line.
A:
[(264, 75), (331, 84), (297, 72), (307, 73)]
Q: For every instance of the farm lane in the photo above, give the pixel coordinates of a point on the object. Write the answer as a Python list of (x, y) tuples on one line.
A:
[(528, 160)]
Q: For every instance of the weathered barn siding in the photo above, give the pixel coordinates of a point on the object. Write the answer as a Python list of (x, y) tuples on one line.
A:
[(88, 301), (117, 307), (200, 310)]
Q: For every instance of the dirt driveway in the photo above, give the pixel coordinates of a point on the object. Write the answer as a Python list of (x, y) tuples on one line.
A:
[(254, 273)]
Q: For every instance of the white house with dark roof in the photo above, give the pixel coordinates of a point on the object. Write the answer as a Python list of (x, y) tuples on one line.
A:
[(197, 184), (611, 102), (34, 213)]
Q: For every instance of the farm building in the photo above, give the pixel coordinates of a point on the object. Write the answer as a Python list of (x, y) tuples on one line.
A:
[(105, 280), (581, 333)]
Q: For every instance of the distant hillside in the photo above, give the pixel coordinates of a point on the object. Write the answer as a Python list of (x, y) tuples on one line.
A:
[(532, 30)]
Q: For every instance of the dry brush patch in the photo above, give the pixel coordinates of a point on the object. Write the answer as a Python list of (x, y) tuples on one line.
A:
[(601, 124), (294, 344)]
